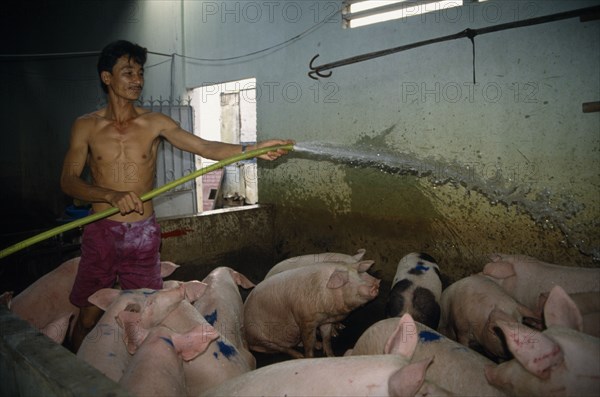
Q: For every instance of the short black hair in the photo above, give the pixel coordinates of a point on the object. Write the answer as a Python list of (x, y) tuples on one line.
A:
[(115, 50)]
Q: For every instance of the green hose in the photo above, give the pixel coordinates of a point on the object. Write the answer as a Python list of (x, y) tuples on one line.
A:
[(150, 195)]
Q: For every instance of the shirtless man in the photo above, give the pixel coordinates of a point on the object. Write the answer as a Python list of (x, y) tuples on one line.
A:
[(119, 144)]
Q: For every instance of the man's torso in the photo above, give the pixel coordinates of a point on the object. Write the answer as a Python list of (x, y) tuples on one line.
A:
[(122, 157)]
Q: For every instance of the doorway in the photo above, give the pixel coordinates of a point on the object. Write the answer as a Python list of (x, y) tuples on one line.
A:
[(226, 112)]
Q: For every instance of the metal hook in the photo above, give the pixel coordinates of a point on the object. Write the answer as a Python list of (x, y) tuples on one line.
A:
[(314, 70)]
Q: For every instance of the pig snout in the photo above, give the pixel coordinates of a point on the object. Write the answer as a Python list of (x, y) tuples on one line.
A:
[(370, 288)]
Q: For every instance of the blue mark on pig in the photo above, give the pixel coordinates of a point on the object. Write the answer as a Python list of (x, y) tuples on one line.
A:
[(150, 292), (419, 269), (212, 317), (422, 268), (427, 336), (225, 349), (169, 341)]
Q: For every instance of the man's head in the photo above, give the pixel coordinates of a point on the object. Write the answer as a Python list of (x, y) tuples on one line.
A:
[(115, 50)]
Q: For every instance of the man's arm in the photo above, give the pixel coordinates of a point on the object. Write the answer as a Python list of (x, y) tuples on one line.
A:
[(214, 150), (72, 184)]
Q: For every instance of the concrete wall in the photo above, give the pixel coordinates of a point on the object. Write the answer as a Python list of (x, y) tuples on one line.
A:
[(508, 162), (239, 238)]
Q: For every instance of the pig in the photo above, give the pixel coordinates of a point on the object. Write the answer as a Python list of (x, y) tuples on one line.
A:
[(384, 375), (102, 347), (526, 278), (288, 308), (388, 374), (156, 368), (222, 306), (560, 361), (312, 259), (455, 368), (416, 289), (470, 309), (221, 361), (588, 304), (45, 303)]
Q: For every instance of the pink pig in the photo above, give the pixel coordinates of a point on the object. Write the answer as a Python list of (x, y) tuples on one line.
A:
[(103, 347), (156, 368), (222, 306), (388, 374), (221, 360), (559, 361), (312, 259), (45, 304), (455, 368), (288, 308), (526, 278), (46, 301), (472, 306)]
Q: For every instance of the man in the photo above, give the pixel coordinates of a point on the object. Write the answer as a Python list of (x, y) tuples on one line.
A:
[(119, 144)]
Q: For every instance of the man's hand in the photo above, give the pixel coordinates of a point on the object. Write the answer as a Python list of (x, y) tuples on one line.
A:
[(274, 154), (126, 202)]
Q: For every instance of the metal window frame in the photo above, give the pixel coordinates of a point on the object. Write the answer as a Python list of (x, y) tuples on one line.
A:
[(348, 16)]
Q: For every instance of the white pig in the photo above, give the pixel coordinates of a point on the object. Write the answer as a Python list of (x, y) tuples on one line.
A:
[(312, 259), (559, 361), (222, 306), (387, 374), (221, 360), (455, 368), (416, 289), (156, 368), (471, 308), (45, 304), (103, 348), (288, 308), (526, 278)]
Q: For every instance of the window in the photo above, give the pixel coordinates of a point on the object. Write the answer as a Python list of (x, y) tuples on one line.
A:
[(366, 12)]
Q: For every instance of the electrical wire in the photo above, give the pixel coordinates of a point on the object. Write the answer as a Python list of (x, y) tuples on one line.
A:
[(60, 55)]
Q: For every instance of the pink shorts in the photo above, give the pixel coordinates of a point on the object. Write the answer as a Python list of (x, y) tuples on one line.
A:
[(111, 249)]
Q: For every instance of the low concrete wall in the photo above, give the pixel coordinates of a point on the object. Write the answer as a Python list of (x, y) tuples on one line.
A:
[(33, 365), (238, 237)]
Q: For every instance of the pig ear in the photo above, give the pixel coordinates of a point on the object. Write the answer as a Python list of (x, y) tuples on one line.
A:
[(499, 270), (363, 266), (194, 342), (404, 339), (104, 297), (359, 254), (167, 268), (338, 279), (534, 350), (133, 334), (408, 379), (241, 280), (194, 290), (561, 310)]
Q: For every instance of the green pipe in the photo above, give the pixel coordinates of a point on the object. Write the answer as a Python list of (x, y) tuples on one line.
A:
[(150, 195)]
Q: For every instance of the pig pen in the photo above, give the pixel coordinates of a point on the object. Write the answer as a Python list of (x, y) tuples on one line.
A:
[(251, 239)]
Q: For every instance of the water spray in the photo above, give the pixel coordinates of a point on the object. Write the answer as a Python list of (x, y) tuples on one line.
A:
[(148, 196)]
